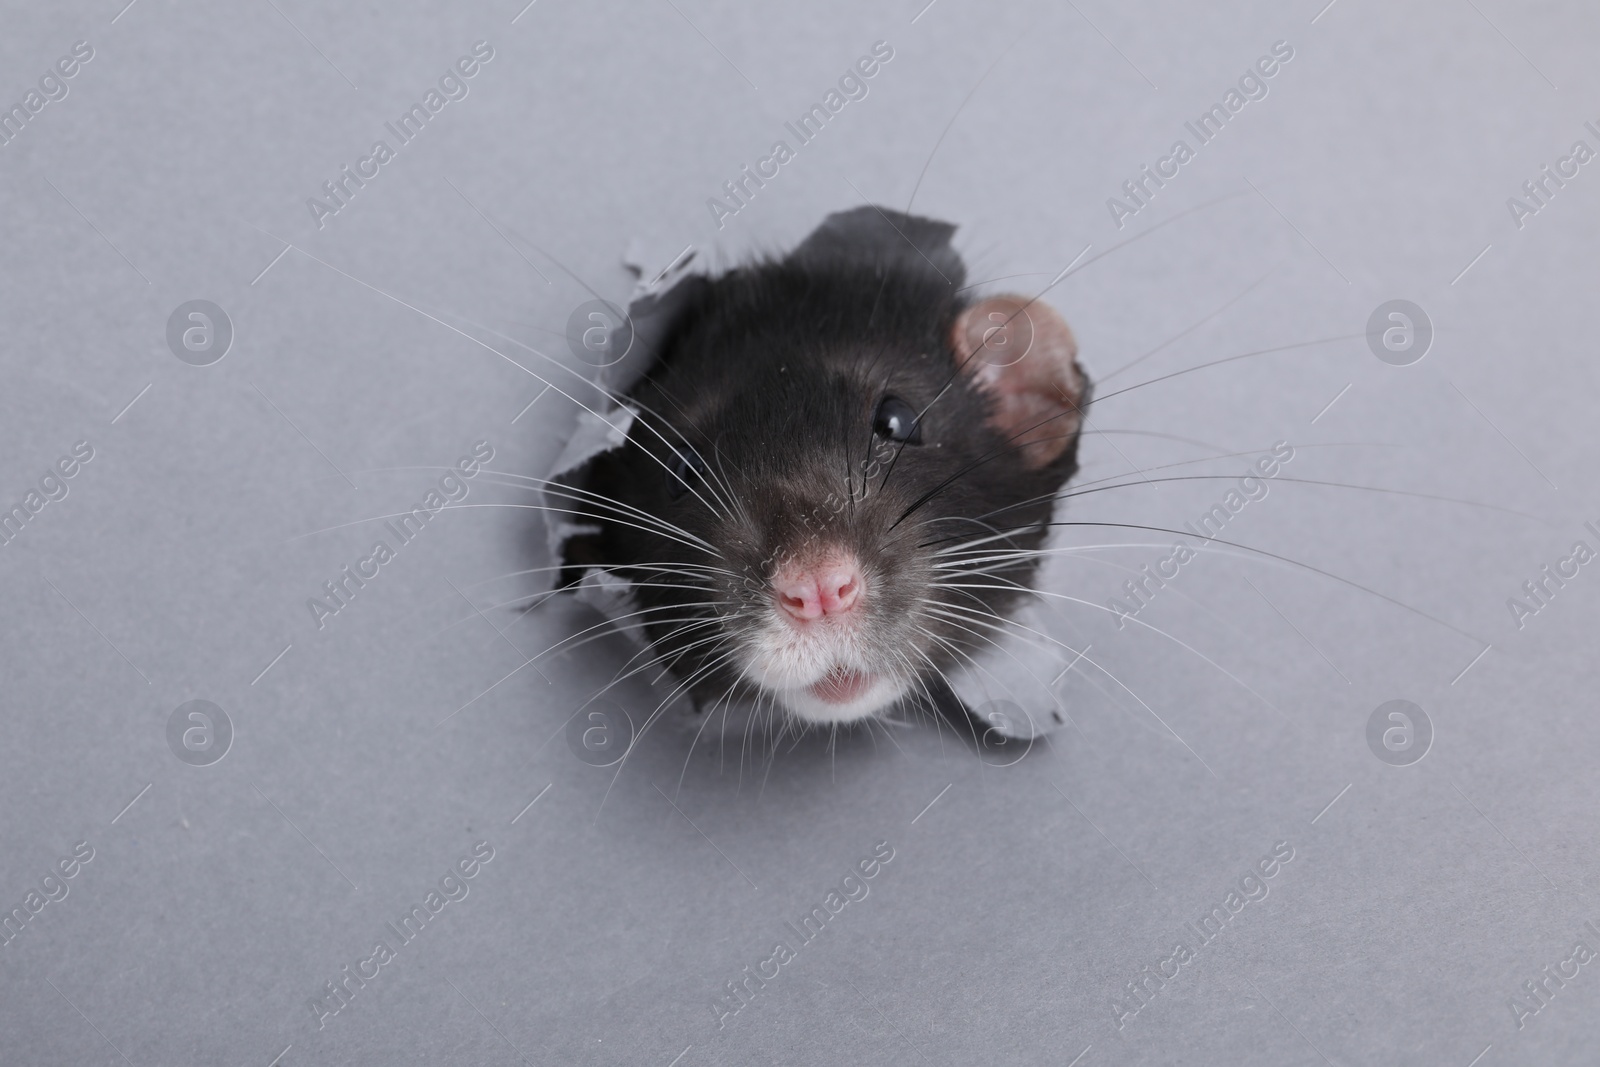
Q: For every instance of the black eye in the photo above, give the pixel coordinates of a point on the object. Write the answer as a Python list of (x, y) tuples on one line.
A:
[(680, 468), (897, 420)]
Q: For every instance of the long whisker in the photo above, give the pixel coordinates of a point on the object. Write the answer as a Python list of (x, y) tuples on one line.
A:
[(1057, 280), (1013, 587), (527, 507), (1303, 481), (1015, 442), (1179, 336), (1085, 657), (959, 108), (614, 398), (655, 714), (1225, 360), (1060, 495), (584, 494), (1286, 560)]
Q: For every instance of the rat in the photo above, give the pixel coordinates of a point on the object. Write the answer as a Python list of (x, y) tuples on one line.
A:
[(839, 474)]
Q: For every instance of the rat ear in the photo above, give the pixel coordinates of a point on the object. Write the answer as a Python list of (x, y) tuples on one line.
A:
[(1023, 355)]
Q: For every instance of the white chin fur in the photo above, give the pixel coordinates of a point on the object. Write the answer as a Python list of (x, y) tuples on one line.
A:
[(784, 665), (806, 707)]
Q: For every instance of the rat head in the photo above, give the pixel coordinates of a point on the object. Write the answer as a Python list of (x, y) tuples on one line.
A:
[(836, 477)]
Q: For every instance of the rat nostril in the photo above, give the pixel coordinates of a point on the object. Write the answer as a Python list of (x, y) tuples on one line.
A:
[(840, 592), (810, 592), (799, 597)]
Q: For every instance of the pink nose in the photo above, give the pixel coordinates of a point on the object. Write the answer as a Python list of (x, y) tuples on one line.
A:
[(831, 586)]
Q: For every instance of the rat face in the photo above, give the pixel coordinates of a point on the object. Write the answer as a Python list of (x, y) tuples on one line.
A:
[(834, 481)]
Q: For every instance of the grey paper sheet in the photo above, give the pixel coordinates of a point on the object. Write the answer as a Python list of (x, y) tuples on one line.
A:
[(294, 302)]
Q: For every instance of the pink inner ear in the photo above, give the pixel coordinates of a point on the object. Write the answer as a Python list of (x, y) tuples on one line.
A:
[(1024, 356)]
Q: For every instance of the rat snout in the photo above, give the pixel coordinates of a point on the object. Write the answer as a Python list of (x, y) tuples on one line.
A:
[(830, 584)]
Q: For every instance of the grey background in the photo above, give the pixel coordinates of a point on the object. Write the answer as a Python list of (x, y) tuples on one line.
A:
[(1024, 898)]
